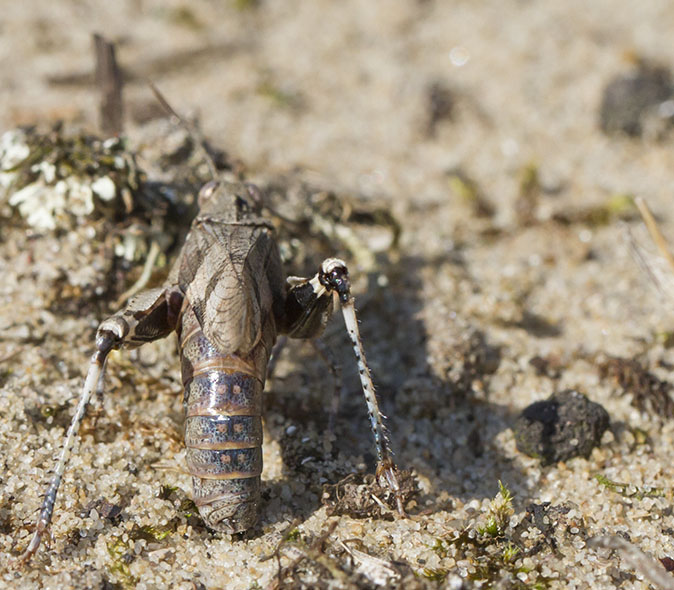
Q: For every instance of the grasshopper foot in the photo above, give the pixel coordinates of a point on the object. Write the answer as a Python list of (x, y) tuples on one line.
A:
[(387, 475)]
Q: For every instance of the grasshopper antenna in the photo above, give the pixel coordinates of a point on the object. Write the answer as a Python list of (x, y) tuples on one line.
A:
[(199, 140), (92, 383), (193, 132)]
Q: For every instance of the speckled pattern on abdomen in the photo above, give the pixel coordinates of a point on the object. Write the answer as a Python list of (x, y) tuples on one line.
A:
[(223, 427)]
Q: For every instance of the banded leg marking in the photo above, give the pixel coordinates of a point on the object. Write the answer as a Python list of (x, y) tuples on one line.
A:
[(386, 467), (91, 384)]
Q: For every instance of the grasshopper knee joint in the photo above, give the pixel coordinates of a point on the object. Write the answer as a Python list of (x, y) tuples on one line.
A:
[(334, 276), (111, 333)]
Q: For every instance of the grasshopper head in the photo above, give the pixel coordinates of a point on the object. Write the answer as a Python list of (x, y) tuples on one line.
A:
[(230, 201)]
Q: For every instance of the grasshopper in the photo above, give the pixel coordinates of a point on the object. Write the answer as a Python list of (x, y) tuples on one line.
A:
[(226, 299)]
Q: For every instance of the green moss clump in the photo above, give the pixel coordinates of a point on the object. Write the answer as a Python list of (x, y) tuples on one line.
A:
[(435, 574), (152, 534), (121, 556), (294, 536), (500, 511)]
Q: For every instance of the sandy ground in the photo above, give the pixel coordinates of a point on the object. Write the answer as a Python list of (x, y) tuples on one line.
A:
[(342, 90)]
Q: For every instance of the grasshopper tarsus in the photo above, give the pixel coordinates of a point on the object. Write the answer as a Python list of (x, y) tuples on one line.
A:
[(387, 474)]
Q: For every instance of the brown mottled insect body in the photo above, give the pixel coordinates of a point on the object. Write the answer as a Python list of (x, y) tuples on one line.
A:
[(230, 273), (227, 300), (229, 282)]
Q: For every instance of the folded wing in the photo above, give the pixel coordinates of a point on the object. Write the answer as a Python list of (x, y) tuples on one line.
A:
[(225, 273)]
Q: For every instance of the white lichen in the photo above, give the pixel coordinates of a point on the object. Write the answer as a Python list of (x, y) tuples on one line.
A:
[(52, 190), (104, 188), (39, 203), (47, 169), (80, 196), (43, 204), (13, 149)]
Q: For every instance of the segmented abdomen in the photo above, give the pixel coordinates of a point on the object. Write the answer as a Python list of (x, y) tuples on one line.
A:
[(223, 428)]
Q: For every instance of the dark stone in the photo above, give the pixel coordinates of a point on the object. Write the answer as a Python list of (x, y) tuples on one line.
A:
[(440, 106), (629, 98), (104, 508), (564, 426), (548, 519)]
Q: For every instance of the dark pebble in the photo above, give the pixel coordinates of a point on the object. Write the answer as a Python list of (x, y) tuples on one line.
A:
[(629, 99), (565, 425)]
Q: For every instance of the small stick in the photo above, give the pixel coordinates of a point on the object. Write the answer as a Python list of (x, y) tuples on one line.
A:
[(152, 256), (654, 230), (192, 131), (640, 257), (636, 558), (109, 81)]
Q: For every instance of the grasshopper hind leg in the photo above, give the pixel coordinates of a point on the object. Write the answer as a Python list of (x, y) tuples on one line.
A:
[(149, 316), (91, 384), (309, 305)]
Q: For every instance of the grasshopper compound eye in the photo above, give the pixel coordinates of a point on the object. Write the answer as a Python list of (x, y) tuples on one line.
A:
[(207, 191), (255, 195)]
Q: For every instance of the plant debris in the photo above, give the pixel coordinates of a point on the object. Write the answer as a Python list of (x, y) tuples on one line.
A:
[(362, 496), (118, 221), (636, 558), (616, 207), (468, 190), (53, 179), (649, 393), (440, 106), (628, 490), (313, 223)]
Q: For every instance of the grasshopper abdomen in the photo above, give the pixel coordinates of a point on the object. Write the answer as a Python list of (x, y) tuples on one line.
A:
[(223, 426)]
